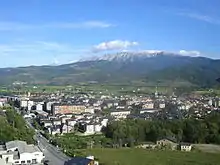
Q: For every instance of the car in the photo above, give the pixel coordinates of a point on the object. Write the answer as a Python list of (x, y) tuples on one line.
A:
[(46, 162)]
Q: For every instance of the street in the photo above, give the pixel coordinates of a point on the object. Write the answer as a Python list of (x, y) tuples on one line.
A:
[(51, 153)]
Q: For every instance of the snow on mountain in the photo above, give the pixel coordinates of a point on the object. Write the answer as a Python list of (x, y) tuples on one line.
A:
[(130, 56)]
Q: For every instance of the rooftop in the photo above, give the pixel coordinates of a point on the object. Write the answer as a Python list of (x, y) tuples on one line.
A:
[(22, 146), (78, 161)]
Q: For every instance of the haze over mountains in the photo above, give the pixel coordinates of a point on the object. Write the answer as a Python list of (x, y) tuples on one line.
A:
[(163, 68)]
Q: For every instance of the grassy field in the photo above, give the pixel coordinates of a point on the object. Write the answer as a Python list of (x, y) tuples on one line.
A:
[(144, 157), (209, 92), (115, 89)]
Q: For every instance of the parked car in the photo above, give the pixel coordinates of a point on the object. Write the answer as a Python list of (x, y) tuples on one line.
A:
[(46, 162)]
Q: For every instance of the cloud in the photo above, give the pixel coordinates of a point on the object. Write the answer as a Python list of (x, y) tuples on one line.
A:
[(8, 26), (200, 17), (114, 45), (190, 53)]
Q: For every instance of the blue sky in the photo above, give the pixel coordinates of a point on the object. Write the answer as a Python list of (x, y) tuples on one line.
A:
[(38, 32)]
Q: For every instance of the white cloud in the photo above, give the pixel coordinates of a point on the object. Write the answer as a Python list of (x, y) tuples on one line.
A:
[(8, 26), (114, 45), (190, 53), (200, 17), (152, 51)]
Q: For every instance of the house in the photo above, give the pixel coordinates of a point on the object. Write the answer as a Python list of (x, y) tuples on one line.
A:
[(90, 110), (67, 129), (167, 142), (82, 161), (87, 128), (30, 105), (24, 102), (148, 105), (19, 152), (71, 122), (162, 105), (55, 129), (185, 147), (90, 128), (120, 114), (3, 162), (39, 106), (3, 101)]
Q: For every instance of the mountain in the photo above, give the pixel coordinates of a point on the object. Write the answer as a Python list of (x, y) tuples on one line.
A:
[(146, 67)]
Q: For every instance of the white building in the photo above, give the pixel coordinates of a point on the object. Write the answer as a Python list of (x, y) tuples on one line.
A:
[(90, 110), (19, 152), (3, 101), (149, 111), (162, 105), (185, 147), (104, 122), (39, 107), (71, 122), (49, 106), (120, 114), (89, 129), (148, 105), (24, 102)]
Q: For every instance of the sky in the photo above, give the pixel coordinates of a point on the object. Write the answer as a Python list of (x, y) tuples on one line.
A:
[(46, 32)]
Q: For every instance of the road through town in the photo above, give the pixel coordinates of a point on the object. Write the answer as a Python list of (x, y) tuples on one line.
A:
[(51, 153)]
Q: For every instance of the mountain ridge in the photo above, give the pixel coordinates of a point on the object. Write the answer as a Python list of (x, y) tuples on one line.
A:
[(126, 55), (122, 67)]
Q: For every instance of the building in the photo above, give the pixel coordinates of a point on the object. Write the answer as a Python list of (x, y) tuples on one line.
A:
[(162, 105), (65, 109), (185, 147), (167, 142), (149, 111), (90, 128), (3, 162), (148, 105), (30, 105), (19, 152), (120, 114), (3, 101), (39, 106), (82, 161), (24, 102)]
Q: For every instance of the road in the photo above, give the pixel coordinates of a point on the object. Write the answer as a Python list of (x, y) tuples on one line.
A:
[(51, 153)]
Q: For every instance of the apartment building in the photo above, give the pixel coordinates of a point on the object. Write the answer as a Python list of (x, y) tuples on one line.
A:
[(66, 109)]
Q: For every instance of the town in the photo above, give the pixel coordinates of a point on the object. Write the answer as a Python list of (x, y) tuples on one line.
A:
[(58, 114)]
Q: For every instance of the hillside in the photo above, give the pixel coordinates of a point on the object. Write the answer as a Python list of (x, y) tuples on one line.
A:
[(148, 68)]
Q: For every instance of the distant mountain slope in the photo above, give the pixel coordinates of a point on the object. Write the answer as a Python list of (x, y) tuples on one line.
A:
[(147, 67)]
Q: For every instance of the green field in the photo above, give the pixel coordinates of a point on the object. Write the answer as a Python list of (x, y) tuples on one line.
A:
[(145, 157), (115, 89), (209, 92)]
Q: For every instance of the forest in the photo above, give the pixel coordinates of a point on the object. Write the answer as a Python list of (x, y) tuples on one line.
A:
[(13, 127), (133, 132)]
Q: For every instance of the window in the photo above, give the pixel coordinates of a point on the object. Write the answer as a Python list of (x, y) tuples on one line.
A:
[(22, 162), (16, 162), (34, 161), (28, 161)]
